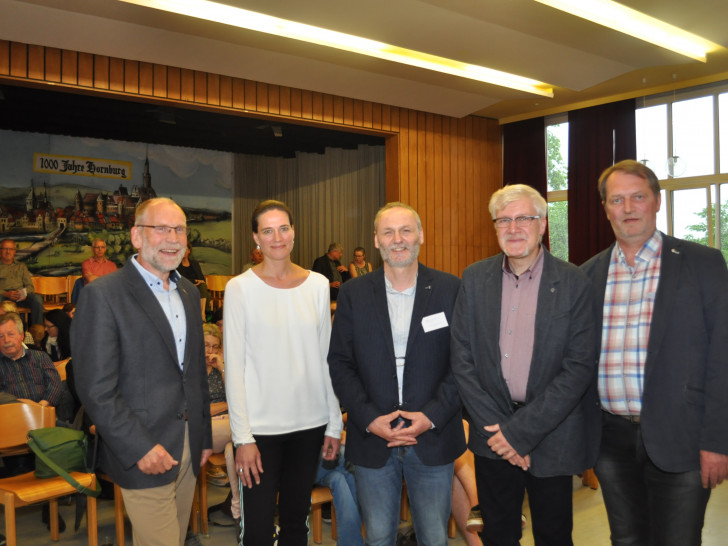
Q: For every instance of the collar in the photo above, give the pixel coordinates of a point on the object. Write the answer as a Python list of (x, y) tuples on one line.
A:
[(151, 279), (649, 251)]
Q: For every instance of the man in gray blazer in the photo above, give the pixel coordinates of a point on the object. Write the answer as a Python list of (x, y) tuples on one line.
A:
[(662, 305), (389, 360), (524, 361), (139, 364)]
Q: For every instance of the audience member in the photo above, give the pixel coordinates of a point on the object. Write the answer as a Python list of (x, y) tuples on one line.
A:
[(69, 309), (465, 507), (221, 434), (329, 265), (337, 476), (8, 306), (16, 284), (25, 373), (57, 339), (97, 265), (282, 407), (190, 269), (138, 354), (359, 266), (663, 306), (390, 366), (256, 257), (523, 357)]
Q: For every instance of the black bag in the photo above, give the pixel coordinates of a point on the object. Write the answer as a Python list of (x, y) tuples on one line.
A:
[(406, 537), (58, 451)]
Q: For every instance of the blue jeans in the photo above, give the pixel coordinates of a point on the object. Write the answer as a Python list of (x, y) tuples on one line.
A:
[(343, 489), (430, 494), (646, 505), (35, 303)]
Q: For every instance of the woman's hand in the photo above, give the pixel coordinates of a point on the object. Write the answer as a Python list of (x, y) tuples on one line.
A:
[(248, 464), (216, 361)]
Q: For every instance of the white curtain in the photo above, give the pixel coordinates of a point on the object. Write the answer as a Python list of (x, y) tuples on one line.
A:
[(333, 196)]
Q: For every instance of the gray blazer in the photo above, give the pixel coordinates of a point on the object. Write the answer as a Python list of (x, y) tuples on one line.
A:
[(128, 377), (684, 402), (559, 423)]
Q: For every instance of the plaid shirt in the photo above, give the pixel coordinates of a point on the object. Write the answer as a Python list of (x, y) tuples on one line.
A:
[(629, 299), (32, 376)]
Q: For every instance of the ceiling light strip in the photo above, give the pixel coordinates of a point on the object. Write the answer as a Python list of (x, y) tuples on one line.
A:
[(639, 25), (229, 15)]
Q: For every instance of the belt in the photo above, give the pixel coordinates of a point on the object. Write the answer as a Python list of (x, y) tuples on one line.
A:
[(518, 405), (634, 419)]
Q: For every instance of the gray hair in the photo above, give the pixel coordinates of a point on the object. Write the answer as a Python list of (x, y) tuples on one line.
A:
[(511, 193), (397, 205)]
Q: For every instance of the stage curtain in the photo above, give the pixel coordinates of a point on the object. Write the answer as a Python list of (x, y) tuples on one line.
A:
[(333, 197), (598, 137)]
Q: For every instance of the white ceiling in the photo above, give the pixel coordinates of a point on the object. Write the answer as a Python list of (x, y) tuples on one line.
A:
[(585, 63)]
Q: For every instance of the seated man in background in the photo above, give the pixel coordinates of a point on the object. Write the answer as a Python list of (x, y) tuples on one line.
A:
[(97, 265), (8, 306), (256, 257), (25, 373), (16, 284)]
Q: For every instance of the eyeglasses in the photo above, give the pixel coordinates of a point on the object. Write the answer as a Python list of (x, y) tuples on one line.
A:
[(521, 221), (166, 230), (209, 347)]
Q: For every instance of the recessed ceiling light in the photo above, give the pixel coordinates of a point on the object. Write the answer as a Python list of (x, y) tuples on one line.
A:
[(229, 15)]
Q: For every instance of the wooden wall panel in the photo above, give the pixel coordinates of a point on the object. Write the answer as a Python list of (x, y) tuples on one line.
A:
[(446, 168)]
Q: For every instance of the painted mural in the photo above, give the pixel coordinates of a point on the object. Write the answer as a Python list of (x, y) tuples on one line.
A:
[(59, 193)]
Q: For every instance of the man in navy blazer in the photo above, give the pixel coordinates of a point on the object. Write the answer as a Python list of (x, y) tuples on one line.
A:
[(139, 364), (662, 304), (389, 360), (524, 360)]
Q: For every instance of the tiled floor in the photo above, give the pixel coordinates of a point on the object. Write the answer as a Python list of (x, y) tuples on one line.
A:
[(590, 523)]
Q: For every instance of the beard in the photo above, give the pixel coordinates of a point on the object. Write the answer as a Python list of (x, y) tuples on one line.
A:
[(400, 261)]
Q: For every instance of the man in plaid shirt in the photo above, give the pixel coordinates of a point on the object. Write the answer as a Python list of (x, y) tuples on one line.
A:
[(663, 370)]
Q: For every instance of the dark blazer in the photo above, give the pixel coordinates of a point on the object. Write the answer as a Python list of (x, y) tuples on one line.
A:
[(556, 426), (322, 265), (363, 370), (685, 400), (128, 378)]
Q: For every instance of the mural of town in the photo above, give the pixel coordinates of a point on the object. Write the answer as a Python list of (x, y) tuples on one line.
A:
[(56, 215)]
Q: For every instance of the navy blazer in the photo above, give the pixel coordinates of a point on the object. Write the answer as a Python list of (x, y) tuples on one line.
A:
[(128, 377), (561, 414), (685, 396), (363, 370)]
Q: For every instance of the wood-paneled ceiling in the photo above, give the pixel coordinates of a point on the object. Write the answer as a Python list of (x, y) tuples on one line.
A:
[(585, 63)]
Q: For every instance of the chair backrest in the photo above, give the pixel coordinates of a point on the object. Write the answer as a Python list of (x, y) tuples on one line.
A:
[(216, 286), (18, 418), (51, 288)]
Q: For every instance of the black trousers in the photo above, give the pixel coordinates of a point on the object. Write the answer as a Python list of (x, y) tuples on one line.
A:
[(501, 488), (290, 463)]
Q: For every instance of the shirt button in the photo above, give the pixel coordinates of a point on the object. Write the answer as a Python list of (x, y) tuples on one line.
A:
[(507, 355)]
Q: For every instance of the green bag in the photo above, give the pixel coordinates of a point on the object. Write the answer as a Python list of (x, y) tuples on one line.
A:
[(58, 451)]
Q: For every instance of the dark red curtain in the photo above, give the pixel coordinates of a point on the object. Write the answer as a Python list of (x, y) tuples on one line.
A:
[(598, 137), (524, 156)]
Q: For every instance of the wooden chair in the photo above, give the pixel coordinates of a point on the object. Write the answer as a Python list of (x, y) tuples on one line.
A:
[(404, 513), (319, 496), (118, 509), (23, 490), (53, 290), (71, 285), (589, 478), (61, 367), (199, 505), (216, 286)]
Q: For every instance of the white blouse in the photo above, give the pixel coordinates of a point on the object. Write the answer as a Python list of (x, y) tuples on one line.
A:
[(276, 341)]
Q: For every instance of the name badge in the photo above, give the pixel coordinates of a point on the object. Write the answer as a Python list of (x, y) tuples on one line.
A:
[(434, 322)]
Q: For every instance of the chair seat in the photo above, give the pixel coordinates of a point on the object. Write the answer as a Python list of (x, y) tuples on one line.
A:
[(30, 489)]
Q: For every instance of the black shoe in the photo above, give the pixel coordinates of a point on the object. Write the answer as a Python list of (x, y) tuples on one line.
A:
[(45, 517), (326, 512)]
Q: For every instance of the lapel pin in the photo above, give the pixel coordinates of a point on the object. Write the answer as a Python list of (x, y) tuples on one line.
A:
[(674, 251), (428, 287)]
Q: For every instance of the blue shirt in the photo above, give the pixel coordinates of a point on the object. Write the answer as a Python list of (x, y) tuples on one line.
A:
[(171, 303)]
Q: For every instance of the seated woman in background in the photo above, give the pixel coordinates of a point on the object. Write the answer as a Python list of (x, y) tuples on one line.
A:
[(359, 266), (221, 435), (57, 340), (190, 269)]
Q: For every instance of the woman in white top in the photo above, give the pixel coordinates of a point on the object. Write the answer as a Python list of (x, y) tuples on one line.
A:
[(282, 407)]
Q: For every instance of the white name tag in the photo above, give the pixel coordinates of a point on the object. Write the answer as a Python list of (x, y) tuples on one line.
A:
[(434, 322)]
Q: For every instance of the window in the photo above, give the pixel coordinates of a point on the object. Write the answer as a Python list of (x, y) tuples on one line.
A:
[(683, 137), (557, 176)]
